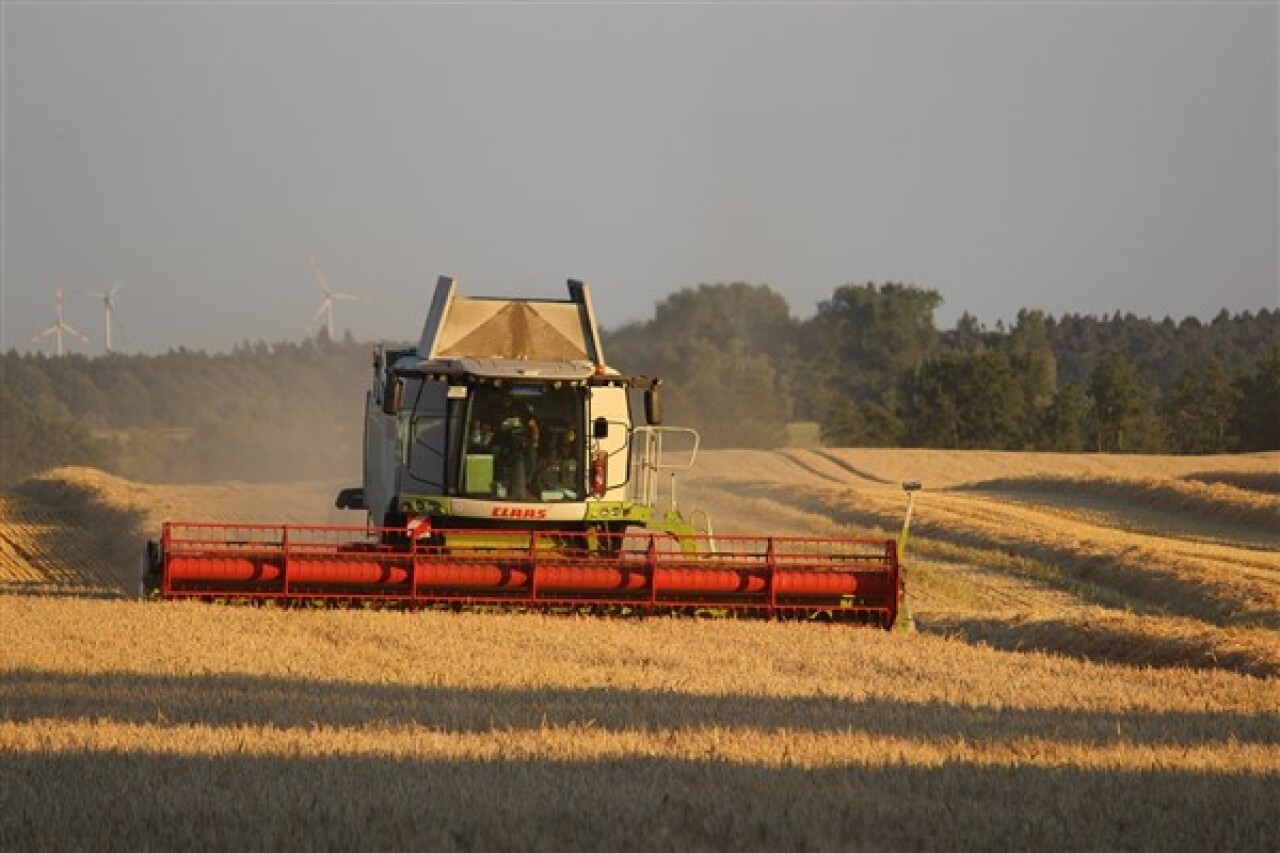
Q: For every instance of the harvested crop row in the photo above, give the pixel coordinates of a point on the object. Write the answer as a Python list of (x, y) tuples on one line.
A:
[(1214, 502), (1118, 637), (1000, 569), (1216, 583), (949, 468)]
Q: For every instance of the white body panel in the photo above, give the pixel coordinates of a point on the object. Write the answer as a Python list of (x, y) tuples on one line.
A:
[(381, 462), (612, 405)]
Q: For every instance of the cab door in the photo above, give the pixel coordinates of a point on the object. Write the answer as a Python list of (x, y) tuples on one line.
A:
[(609, 429)]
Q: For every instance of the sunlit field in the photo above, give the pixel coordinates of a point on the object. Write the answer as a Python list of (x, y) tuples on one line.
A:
[(1092, 663)]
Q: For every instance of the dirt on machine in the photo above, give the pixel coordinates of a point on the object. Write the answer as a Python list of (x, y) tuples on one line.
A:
[(507, 465)]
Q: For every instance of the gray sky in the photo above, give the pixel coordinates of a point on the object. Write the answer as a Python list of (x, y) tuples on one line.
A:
[(1073, 157)]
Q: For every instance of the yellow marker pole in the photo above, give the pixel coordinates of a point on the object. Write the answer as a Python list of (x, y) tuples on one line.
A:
[(905, 622), (910, 488)]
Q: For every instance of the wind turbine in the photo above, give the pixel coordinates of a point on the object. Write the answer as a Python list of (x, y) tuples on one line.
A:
[(59, 326), (330, 295), (108, 312)]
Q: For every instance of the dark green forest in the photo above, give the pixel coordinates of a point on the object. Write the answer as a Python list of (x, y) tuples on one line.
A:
[(870, 367), (873, 369)]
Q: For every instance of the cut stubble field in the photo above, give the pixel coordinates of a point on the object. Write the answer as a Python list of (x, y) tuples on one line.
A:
[(1094, 665)]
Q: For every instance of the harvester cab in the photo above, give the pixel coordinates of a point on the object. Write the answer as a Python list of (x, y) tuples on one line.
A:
[(507, 465), (506, 417)]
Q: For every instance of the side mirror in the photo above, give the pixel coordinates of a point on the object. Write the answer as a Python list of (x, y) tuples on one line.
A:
[(653, 406), (391, 395), (600, 428)]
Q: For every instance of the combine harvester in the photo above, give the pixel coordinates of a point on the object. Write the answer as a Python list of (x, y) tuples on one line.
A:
[(505, 465)]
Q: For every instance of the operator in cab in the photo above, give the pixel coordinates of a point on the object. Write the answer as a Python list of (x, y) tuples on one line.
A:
[(516, 451)]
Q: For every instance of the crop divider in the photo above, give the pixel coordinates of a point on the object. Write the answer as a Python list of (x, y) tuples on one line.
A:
[(166, 548), (415, 551), (771, 575), (651, 560), (533, 568), (284, 558)]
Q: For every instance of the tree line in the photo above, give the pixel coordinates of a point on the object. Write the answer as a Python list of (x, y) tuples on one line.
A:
[(873, 369), (870, 367), (260, 413)]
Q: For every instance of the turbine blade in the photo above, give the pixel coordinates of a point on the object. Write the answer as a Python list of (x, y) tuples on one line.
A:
[(315, 318), (67, 327), (320, 279)]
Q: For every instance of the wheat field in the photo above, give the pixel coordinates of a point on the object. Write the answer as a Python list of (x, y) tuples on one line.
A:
[(1094, 664)]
